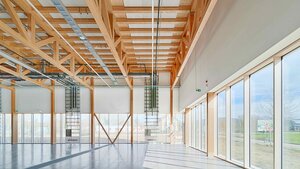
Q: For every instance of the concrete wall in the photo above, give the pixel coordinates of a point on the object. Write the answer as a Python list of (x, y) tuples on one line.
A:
[(237, 32)]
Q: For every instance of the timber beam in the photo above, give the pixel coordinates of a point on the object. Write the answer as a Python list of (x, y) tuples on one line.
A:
[(35, 47), (197, 19), (106, 24)]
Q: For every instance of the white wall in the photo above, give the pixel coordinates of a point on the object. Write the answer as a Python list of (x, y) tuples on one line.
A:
[(111, 100), (85, 100), (236, 33), (59, 99), (138, 99), (6, 100), (32, 99)]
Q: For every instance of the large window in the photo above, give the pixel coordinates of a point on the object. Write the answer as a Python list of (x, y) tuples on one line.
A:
[(193, 128), (203, 126), (291, 110), (37, 128), (85, 128), (221, 130), (237, 122), (261, 118), (27, 128), (46, 128), (5, 128), (197, 125)]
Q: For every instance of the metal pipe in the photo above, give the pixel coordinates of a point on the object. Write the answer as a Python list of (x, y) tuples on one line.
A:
[(16, 61), (34, 75)]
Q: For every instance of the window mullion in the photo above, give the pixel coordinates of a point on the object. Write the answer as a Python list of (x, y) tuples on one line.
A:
[(277, 113), (247, 122), (227, 116)]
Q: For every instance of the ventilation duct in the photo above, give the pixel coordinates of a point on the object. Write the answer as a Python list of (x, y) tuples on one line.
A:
[(70, 20)]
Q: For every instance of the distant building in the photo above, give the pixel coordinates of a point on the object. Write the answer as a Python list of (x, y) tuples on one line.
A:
[(295, 125)]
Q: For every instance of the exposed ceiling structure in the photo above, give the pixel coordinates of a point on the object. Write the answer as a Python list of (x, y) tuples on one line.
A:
[(109, 40)]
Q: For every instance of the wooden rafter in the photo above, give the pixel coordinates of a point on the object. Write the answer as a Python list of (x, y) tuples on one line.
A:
[(34, 47), (197, 19), (23, 76), (117, 9), (101, 17)]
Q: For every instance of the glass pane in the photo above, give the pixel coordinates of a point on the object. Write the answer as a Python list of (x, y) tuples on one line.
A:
[(7, 130), (222, 124), (124, 133), (104, 120), (237, 122), (63, 127), (1, 127), (203, 126), (141, 128), (27, 128), (178, 128), (46, 128), (37, 128), (20, 128), (135, 127), (193, 128), (197, 143), (291, 109), (58, 128), (261, 118), (85, 128)]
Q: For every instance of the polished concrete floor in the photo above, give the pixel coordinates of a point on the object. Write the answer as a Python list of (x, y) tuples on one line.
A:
[(119, 156)]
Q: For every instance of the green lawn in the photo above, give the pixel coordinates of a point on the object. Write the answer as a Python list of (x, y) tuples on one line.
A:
[(292, 137), (289, 137)]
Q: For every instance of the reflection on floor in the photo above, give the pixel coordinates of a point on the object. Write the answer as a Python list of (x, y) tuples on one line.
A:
[(119, 156), (180, 157)]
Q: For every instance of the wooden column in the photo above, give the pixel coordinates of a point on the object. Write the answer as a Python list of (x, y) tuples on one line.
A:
[(171, 102), (131, 111), (53, 114), (14, 117), (210, 124), (92, 111)]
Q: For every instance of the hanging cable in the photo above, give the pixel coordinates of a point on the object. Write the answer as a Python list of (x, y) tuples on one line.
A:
[(152, 41), (157, 28)]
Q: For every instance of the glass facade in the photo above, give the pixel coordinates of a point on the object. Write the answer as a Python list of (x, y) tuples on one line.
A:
[(203, 126), (198, 126), (261, 118), (5, 133), (291, 110), (237, 122)]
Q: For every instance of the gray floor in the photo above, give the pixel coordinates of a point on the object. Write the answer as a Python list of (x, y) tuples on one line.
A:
[(120, 156)]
